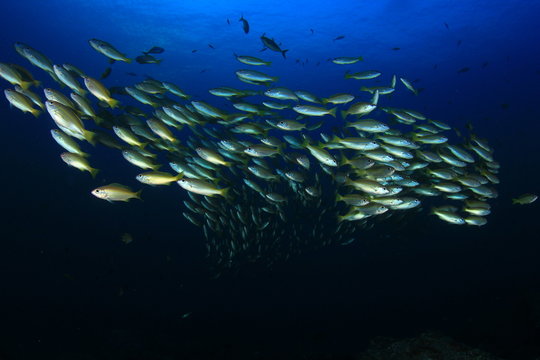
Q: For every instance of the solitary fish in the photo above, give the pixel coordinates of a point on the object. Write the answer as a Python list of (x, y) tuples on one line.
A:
[(154, 50), (272, 45), (525, 199), (245, 24)]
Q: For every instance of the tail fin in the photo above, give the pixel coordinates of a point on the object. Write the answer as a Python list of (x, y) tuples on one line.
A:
[(113, 103), (94, 172), (138, 194), (283, 52), (25, 84), (90, 137), (515, 201), (35, 112), (225, 192), (332, 112), (344, 114)]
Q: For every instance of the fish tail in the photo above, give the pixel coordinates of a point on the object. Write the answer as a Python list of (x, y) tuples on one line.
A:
[(348, 76), (138, 194), (344, 114), (225, 192), (25, 84), (332, 112), (82, 92), (93, 172), (283, 52), (113, 103), (90, 137), (35, 112), (343, 160), (84, 155), (360, 58), (515, 201), (36, 83)]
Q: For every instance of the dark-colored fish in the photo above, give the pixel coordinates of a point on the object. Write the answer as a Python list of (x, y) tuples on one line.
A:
[(312, 31), (485, 64), (504, 106), (458, 42), (339, 37), (463, 70), (194, 51), (131, 74), (154, 50), (228, 22), (147, 59), (272, 45), (396, 48), (446, 25), (106, 73), (211, 46), (435, 66), (245, 24)]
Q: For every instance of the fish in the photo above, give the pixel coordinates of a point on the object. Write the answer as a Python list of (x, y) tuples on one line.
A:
[(13, 76), (202, 187), (339, 37), (105, 74), (99, 90), (463, 70), (272, 45), (525, 199), (251, 60), (158, 178), (245, 24), (108, 50), (21, 102), (409, 85), (154, 50), (310, 110), (116, 192), (344, 60), (364, 75), (79, 162), (147, 59)]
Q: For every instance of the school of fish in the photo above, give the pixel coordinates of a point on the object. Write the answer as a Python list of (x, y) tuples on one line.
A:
[(266, 178)]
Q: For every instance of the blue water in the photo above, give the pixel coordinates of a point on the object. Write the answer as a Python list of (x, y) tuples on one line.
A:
[(69, 288)]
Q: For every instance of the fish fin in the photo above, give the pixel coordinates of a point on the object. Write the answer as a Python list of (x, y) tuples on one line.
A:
[(35, 112), (36, 83), (94, 172), (90, 137), (112, 61), (344, 114), (515, 201), (332, 112), (113, 103), (138, 195), (360, 58), (283, 52), (25, 84), (179, 176), (225, 192), (84, 155)]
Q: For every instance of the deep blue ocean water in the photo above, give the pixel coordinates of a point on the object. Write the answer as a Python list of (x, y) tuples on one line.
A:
[(70, 289)]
